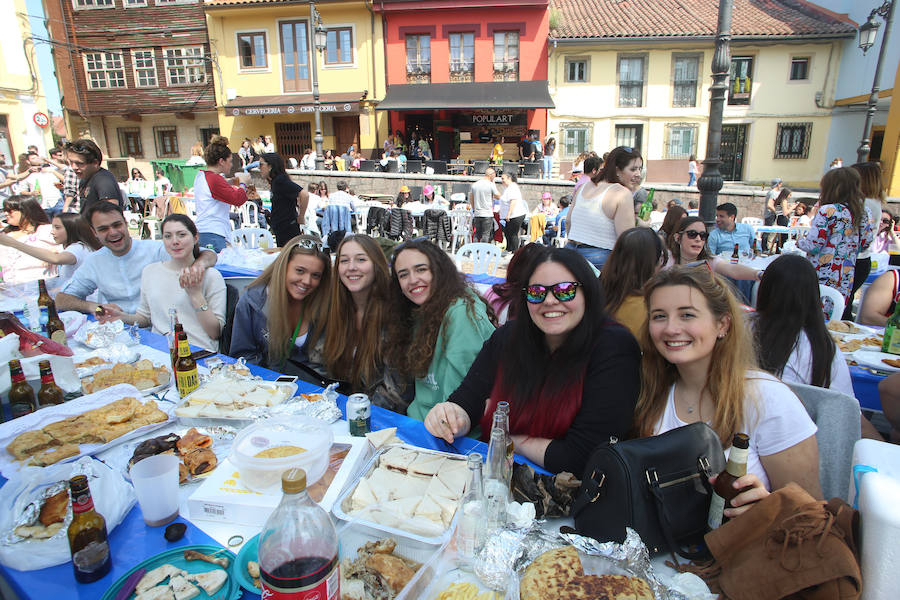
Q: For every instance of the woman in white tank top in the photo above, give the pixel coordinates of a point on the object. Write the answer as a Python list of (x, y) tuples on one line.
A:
[(604, 207)]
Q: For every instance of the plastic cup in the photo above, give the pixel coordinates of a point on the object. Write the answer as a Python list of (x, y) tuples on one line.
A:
[(155, 481)]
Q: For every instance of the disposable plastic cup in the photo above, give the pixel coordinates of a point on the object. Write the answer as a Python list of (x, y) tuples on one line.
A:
[(155, 481)]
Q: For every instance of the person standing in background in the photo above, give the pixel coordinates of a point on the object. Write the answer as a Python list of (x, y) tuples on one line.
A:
[(95, 183), (269, 144), (549, 150), (692, 170), (41, 183), (214, 195), (481, 198), (70, 179)]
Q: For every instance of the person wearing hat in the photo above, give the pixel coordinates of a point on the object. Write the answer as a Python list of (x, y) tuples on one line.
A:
[(547, 207), (433, 199), (403, 196)]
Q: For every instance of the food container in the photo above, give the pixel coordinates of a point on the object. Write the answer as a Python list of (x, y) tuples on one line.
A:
[(263, 473)]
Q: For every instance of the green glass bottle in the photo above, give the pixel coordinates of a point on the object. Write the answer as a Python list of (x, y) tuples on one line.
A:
[(891, 341)]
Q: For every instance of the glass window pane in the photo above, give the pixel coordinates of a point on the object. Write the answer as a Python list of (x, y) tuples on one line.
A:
[(346, 44)]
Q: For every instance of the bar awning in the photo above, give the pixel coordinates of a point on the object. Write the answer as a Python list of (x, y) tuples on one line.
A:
[(477, 95), (346, 103)]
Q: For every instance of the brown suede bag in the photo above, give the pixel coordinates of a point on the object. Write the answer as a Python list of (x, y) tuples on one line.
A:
[(787, 546)]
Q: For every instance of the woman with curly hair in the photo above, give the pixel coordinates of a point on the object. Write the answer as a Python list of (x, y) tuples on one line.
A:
[(214, 195), (438, 323)]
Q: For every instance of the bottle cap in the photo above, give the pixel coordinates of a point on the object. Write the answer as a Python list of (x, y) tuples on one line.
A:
[(293, 481), (741, 440)]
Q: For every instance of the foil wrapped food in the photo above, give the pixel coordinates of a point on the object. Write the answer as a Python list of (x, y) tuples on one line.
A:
[(325, 409)]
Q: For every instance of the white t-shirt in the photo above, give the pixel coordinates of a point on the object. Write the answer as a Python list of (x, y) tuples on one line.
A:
[(46, 181), (798, 368), (19, 267), (590, 225), (512, 192), (774, 418), (160, 291), (874, 208), (80, 252), (315, 201), (482, 192)]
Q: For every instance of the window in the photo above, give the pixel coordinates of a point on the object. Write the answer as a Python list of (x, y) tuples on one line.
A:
[(462, 57), (506, 56), (629, 135), (631, 81), (133, 4), (144, 63), (681, 140), (82, 4), (185, 66), (294, 56), (206, 134), (104, 70), (792, 140), (799, 69), (339, 46), (166, 141), (684, 80), (418, 58), (576, 138), (576, 70), (252, 50), (741, 73), (130, 141)]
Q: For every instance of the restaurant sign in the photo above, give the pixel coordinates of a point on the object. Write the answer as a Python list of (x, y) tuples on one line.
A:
[(290, 109), (491, 119)]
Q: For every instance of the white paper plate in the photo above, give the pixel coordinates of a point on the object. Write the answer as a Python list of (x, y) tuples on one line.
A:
[(873, 359)]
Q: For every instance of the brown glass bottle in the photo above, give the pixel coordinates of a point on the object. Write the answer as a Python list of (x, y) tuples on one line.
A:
[(56, 329), (735, 256), (50, 393), (186, 379), (723, 490), (21, 395), (177, 330), (44, 298), (91, 558)]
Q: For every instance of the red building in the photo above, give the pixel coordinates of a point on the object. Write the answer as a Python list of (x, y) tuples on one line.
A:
[(457, 69)]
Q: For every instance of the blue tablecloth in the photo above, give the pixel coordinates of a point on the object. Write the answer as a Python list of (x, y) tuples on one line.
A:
[(132, 541), (235, 271)]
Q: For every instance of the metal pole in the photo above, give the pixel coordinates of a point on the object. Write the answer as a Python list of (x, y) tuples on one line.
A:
[(313, 59), (711, 181), (865, 146)]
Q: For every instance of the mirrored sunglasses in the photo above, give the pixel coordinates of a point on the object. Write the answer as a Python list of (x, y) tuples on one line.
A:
[(563, 291)]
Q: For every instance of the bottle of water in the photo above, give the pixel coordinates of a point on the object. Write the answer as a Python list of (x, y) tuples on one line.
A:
[(496, 486), (470, 530)]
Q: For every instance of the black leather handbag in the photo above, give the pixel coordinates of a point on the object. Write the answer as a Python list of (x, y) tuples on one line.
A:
[(658, 486)]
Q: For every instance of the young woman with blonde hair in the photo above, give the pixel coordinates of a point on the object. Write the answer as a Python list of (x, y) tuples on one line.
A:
[(698, 365), (282, 307)]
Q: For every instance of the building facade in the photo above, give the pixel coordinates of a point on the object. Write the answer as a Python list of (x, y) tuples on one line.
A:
[(638, 74), (456, 67), (265, 82), (135, 76), (22, 101)]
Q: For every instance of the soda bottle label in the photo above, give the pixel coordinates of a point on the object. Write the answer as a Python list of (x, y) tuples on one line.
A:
[(306, 578)]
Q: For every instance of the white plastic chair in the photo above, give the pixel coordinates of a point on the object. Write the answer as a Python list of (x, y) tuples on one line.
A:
[(752, 221), (837, 300), (461, 227), (485, 257), (249, 215), (252, 237), (362, 214), (240, 283)]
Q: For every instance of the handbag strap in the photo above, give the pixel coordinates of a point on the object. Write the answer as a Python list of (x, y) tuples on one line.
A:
[(663, 515)]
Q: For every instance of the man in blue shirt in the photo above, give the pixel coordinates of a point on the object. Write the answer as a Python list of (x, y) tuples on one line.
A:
[(728, 232), (115, 269), (553, 228)]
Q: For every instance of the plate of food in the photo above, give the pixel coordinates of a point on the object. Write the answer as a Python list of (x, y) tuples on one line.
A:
[(875, 359), (83, 426), (849, 344), (143, 374), (199, 571), (246, 566), (198, 449), (224, 397)]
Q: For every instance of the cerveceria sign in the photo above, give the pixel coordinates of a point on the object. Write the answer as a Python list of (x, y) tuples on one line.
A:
[(290, 109)]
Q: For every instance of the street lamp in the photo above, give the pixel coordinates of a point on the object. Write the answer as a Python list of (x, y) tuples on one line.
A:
[(319, 39), (711, 181), (868, 31)]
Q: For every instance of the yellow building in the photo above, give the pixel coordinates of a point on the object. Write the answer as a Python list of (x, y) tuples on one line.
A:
[(22, 100), (642, 80), (264, 78)]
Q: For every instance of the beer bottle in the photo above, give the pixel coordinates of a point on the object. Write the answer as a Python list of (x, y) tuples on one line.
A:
[(21, 395), (891, 341), (723, 490), (753, 250), (50, 393), (44, 298), (736, 255), (43, 303), (56, 330), (88, 543), (175, 327), (186, 380)]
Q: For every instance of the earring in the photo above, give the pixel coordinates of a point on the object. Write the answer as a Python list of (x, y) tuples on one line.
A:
[(721, 335)]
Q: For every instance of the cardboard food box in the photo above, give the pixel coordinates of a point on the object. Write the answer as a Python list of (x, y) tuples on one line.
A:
[(223, 498)]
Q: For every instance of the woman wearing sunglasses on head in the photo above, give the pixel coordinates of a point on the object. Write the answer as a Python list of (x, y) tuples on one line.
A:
[(281, 308), (569, 373), (688, 246), (437, 323)]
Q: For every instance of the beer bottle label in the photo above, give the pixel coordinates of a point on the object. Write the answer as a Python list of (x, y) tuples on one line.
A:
[(716, 511), (894, 343), (186, 381)]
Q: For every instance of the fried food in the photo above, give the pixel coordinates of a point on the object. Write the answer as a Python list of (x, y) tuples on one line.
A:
[(193, 440), (75, 430), (91, 362), (550, 571), (613, 587), (200, 460), (143, 375), (843, 327), (893, 362), (377, 572), (51, 456), (54, 508), (29, 443)]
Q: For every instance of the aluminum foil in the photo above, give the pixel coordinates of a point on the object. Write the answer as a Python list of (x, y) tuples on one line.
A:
[(325, 409), (115, 353), (99, 335), (496, 560)]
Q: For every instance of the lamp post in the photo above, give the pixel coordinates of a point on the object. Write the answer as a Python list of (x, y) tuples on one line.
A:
[(868, 31), (711, 181), (319, 38)]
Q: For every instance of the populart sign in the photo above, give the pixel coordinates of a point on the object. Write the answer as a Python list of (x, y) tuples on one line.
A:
[(492, 119)]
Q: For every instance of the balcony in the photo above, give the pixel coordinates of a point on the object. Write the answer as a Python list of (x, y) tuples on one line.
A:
[(462, 71), (739, 91), (506, 70), (418, 72)]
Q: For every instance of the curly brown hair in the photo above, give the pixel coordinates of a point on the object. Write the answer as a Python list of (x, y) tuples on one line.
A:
[(413, 330), (217, 150)]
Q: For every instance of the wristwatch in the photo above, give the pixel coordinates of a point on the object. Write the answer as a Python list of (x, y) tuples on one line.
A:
[(203, 307)]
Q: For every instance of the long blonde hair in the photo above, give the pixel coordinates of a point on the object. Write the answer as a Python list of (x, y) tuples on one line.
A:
[(734, 356), (355, 354), (278, 320)]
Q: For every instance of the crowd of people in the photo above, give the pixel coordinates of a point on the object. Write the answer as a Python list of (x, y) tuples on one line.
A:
[(626, 332)]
